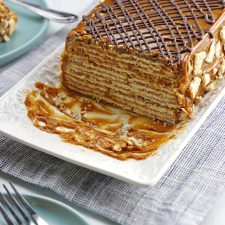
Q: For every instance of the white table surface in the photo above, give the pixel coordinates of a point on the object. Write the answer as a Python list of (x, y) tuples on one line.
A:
[(215, 217)]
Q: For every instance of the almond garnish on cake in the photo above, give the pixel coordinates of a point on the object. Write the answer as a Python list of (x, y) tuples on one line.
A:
[(8, 20), (156, 58)]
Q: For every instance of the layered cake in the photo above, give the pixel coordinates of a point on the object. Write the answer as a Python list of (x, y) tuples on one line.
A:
[(8, 21), (155, 58)]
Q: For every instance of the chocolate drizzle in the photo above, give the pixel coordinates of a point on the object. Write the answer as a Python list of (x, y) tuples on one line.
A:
[(169, 27)]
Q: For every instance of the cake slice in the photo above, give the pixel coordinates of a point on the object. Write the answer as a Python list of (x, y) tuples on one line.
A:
[(8, 21), (155, 58)]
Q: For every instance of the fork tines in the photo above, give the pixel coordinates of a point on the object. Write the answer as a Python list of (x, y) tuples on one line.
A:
[(15, 209)]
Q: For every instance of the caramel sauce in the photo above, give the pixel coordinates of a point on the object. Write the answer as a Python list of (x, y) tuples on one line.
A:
[(82, 121)]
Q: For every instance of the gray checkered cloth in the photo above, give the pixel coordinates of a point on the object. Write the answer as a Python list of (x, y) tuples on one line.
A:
[(184, 195)]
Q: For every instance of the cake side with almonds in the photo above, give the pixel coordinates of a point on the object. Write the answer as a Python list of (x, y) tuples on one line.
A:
[(8, 21), (154, 58)]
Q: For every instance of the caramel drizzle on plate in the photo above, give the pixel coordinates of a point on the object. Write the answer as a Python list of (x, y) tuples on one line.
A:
[(82, 121)]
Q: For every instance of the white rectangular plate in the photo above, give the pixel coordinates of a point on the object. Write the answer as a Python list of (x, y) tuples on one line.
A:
[(15, 124)]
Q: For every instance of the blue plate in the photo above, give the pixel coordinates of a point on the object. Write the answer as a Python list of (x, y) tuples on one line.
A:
[(30, 31), (53, 212)]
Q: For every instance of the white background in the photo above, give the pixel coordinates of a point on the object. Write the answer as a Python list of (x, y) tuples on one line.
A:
[(215, 217)]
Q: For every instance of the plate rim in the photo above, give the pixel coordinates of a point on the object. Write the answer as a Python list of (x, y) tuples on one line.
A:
[(136, 181), (8, 57)]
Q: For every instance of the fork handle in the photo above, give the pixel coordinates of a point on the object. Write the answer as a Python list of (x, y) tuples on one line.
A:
[(54, 15)]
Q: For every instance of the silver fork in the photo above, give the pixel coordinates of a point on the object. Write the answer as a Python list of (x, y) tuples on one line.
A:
[(54, 15), (16, 210)]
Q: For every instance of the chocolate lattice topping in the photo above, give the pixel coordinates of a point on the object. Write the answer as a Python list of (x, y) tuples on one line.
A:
[(170, 27)]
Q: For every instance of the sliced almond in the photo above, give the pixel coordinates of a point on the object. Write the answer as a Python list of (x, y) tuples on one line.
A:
[(180, 98), (221, 68), (194, 87), (211, 53), (6, 38), (215, 71), (184, 114), (12, 26), (218, 49), (189, 67), (206, 79), (222, 34), (199, 59)]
